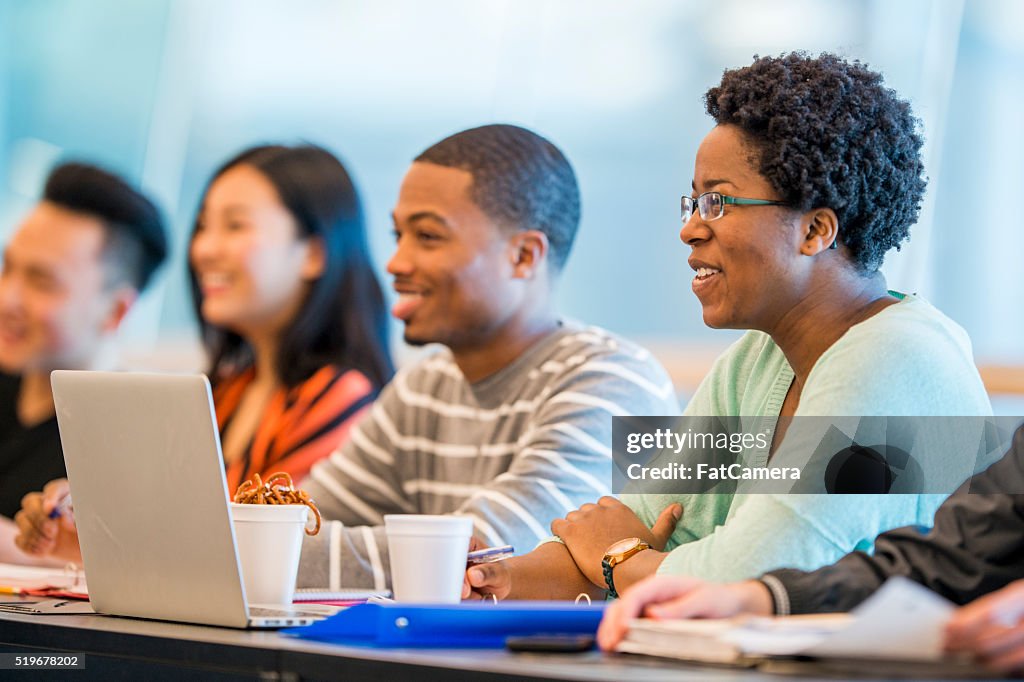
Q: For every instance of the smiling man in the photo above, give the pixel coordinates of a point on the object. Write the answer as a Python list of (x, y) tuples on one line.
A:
[(71, 271), (511, 422)]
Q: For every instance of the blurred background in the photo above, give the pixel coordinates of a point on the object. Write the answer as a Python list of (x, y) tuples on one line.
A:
[(164, 90)]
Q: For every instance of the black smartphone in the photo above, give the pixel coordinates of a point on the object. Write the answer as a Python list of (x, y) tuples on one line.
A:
[(551, 643)]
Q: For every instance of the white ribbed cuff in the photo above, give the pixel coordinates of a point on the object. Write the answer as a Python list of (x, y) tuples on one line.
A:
[(779, 594)]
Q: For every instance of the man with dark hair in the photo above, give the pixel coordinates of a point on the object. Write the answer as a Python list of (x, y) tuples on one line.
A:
[(71, 271), (521, 180), (511, 422), (134, 238)]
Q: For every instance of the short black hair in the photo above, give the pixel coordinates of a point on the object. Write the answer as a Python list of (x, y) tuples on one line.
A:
[(343, 320), (136, 239), (826, 132), (520, 179)]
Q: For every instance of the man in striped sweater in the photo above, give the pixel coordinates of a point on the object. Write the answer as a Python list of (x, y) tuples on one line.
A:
[(510, 423)]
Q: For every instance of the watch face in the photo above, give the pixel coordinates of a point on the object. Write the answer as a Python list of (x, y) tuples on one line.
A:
[(623, 546)]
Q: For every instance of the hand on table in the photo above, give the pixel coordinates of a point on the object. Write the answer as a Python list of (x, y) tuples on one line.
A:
[(482, 580), (591, 529), (548, 572), (991, 629), (672, 596), (38, 534)]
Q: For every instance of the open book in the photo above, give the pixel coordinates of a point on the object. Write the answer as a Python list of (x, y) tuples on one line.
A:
[(901, 621)]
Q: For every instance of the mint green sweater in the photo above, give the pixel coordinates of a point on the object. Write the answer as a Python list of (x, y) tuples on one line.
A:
[(908, 360)]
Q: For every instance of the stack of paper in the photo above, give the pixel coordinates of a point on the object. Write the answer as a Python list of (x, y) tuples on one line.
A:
[(40, 581), (730, 640), (902, 621)]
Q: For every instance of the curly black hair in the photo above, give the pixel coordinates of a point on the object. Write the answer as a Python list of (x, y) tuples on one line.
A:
[(519, 178), (826, 132)]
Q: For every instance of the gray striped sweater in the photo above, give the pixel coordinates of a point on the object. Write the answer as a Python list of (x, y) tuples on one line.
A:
[(515, 451)]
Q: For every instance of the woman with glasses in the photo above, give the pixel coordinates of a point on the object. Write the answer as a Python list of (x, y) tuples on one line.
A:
[(810, 176)]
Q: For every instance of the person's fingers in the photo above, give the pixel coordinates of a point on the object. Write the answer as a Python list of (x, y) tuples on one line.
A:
[(40, 547), (707, 601), (23, 539), (613, 626), (998, 640), (487, 575), (35, 520), (476, 576), (475, 544), (630, 605), (55, 491), (561, 527), (36, 545), (488, 579), (1012, 662), (962, 629), (695, 605), (665, 524), (26, 544), (21, 520), (54, 494), (20, 543), (574, 515), (470, 594), (1003, 607), (67, 522), (29, 539), (608, 501), (32, 503)]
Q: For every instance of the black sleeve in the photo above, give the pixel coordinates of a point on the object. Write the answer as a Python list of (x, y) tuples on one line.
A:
[(975, 547)]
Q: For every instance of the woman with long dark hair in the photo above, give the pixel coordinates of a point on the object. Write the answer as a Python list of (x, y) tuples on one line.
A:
[(290, 311)]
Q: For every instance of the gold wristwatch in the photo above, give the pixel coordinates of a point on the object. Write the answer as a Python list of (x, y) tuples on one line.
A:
[(615, 555)]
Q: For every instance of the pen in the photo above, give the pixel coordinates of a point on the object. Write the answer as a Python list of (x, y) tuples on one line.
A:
[(62, 507), (489, 555)]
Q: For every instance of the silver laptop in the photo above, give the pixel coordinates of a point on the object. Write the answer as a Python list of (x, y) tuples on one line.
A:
[(151, 505)]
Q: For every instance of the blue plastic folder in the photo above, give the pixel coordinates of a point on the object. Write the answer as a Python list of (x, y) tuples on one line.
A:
[(466, 625)]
